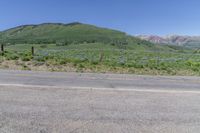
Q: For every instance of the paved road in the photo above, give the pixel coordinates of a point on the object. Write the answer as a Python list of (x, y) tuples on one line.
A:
[(107, 81), (38, 102)]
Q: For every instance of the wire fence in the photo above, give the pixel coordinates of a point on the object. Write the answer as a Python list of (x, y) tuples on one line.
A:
[(122, 55)]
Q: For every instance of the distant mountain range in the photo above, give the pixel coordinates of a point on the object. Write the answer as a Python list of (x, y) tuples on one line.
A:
[(188, 41)]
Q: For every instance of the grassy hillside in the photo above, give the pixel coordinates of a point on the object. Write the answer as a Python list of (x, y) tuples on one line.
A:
[(64, 34), (100, 57)]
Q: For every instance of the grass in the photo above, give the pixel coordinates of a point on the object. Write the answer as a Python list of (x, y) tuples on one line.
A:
[(99, 57)]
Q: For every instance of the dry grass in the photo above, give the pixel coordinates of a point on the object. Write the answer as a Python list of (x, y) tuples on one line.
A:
[(37, 66)]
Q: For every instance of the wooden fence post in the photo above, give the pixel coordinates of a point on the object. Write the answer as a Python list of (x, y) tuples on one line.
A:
[(2, 49), (32, 51), (101, 56)]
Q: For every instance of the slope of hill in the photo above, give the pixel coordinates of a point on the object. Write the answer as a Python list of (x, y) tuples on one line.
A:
[(188, 41), (65, 33)]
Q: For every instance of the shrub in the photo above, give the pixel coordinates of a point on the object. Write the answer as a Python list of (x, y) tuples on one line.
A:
[(12, 57)]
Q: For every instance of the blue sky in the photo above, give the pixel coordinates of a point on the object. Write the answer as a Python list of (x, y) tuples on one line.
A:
[(160, 17)]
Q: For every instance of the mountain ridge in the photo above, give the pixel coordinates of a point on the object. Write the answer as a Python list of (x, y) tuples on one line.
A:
[(181, 40), (76, 32), (52, 32)]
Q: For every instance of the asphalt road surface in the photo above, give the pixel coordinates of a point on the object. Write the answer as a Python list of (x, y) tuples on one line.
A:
[(44, 102)]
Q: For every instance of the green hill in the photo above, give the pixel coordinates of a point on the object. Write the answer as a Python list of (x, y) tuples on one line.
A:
[(64, 33)]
